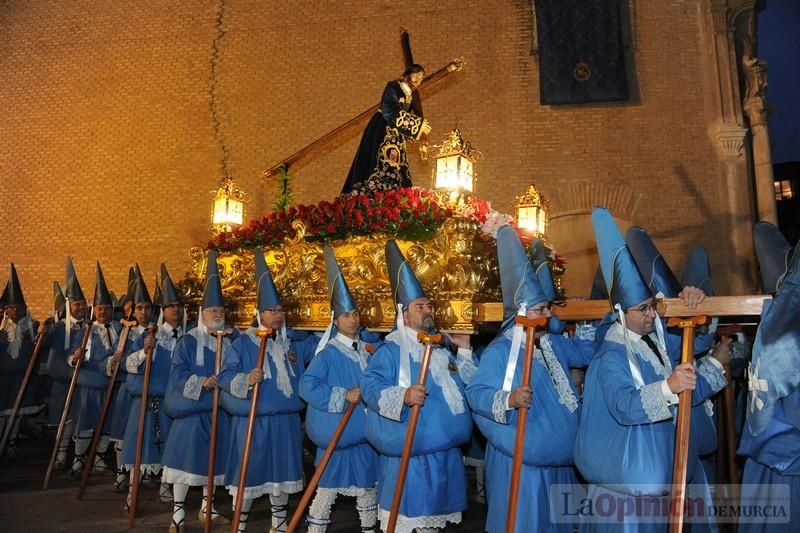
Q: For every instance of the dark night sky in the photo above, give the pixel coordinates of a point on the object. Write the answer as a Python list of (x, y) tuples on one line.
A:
[(779, 45)]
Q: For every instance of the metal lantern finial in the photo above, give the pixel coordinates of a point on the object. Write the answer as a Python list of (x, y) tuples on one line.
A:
[(227, 207), (532, 211)]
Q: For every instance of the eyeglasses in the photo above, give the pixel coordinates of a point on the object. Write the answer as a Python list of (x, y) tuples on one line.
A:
[(644, 309), (541, 309)]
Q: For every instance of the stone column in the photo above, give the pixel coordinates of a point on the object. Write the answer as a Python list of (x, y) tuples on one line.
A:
[(755, 105)]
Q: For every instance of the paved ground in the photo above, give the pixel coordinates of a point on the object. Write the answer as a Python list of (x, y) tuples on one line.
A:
[(24, 507)]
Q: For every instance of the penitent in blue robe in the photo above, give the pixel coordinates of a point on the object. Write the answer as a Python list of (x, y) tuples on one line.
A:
[(93, 380), (551, 427), (185, 457), (435, 491), (58, 369), (276, 464), (626, 437), (157, 423), (337, 368)]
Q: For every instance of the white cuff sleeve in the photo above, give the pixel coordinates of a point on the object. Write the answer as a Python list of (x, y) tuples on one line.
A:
[(670, 397)]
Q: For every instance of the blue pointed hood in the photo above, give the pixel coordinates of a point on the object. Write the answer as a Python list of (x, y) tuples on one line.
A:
[(541, 266), (599, 291), (12, 295), (338, 292), (517, 278), (698, 271), (773, 252), (212, 286), (73, 290), (268, 295), (623, 280), (140, 294), (405, 286), (775, 366), (101, 294), (169, 293), (58, 300), (651, 264), (157, 296)]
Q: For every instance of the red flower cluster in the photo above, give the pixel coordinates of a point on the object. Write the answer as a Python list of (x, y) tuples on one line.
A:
[(412, 214)]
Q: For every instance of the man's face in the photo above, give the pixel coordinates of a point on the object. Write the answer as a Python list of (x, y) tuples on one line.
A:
[(419, 315), (15, 312), (103, 313), (142, 313), (273, 317), (78, 309), (214, 318), (348, 323), (173, 313), (126, 309), (641, 318)]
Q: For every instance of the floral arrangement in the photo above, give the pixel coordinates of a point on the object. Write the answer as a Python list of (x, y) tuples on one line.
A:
[(411, 214)]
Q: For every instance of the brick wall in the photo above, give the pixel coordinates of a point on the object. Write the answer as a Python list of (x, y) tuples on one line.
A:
[(108, 151)]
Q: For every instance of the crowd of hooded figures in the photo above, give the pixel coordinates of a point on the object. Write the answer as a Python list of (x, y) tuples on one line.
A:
[(607, 439)]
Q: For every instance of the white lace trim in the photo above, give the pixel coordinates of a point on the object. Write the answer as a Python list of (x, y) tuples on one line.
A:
[(439, 368), (133, 361), (466, 366), (207, 341), (239, 386), (193, 387), (336, 402), (653, 402), (712, 374), (165, 339), (708, 405), (499, 402), (566, 396), (15, 333), (407, 524), (273, 489), (354, 491), (359, 357), (585, 331), (390, 404), (173, 475), (147, 469), (642, 350)]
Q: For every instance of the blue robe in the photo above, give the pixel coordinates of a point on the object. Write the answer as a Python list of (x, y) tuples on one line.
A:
[(435, 491), (157, 423), (333, 371), (93, 381), (185, 456), (12, 370), (773, 458), (276, 464), (551, 427), (121, 407), (626, 437), (59, 371)]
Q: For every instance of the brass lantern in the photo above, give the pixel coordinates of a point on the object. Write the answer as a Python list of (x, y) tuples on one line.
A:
[(228, 206), (454, 164), (531, 211)]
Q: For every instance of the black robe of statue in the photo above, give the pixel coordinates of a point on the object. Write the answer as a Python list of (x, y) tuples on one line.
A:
[(381, 162)]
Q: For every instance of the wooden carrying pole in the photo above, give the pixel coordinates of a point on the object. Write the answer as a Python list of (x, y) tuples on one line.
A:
[(530, 325), (212, 446), (682, 430), (24, 385), (68, 403), (251, 425), (97, 435), (323, 463), (429, 341), (137, 462), (453, 66)]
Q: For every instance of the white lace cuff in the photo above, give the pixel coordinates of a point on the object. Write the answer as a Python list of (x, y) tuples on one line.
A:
[(239, 386), (336, 402), (109, 366), (193, 387), (390, 404), (466, 366), (585, 331), (500, 406), (653, 402), (133, 361), (713, 374)]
